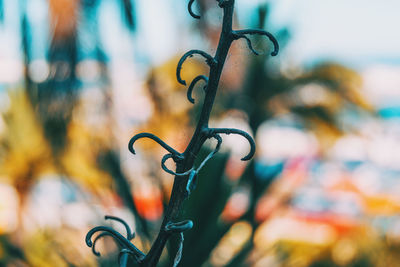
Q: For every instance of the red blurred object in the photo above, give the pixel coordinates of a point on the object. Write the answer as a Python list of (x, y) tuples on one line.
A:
[(148, 201), (294, 174), (342, 224), (234, 168), (236, 206)]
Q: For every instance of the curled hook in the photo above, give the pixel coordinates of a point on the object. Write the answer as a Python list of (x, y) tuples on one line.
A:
[(193, 83), (97, 238), (178, 227), (209, 60), (178, 255), (155, 138), (249, 44), (219, 142), (191, 183), (165, 158), (213, 131), (139, 255), (129, 234), (191, 11), (242, 34)]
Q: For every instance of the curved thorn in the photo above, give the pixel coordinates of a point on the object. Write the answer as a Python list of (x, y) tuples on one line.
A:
[(97, 238), (238, 34), (209, 60), (249, 44), (219, 143), (153, 137), (193, 83), (191, 11), (178, 255), (178, 227), (139, 255), (129, 234), (190, 185), (213, 131), (164, 159), (219, 140)]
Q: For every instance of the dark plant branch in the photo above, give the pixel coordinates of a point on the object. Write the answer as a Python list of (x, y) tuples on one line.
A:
[(186, 173)]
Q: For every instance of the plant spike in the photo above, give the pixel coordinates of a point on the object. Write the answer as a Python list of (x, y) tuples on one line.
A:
[(191, 11), (124, 242), (155, 138), (239, 132), (209, 60), (129, 234), (186, 173), (242, 34), (193, 83)]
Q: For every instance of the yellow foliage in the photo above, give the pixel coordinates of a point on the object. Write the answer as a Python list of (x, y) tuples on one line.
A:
[(25, 153), (171, 106), (80, 158)]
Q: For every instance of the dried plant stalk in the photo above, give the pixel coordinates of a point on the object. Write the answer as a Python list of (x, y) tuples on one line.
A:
[(186, 172)]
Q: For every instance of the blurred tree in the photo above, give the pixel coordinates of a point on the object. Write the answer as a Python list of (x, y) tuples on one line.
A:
[(42, 135)]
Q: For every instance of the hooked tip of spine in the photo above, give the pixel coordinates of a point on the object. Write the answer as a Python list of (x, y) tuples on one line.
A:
[(246, 158), (132, 150), (276, 50), (89, 242), (191, 11), (190, 224), (251, 153), (178, 76), (189, 97), (196, 16)]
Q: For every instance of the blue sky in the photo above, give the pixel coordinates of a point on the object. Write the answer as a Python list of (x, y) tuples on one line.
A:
[(356, 32), (353, 32)]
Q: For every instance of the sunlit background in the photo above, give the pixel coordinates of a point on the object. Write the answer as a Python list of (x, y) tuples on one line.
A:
[(78, 78)]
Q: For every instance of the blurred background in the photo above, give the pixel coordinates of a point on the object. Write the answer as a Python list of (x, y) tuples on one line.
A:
[(78, 78)]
